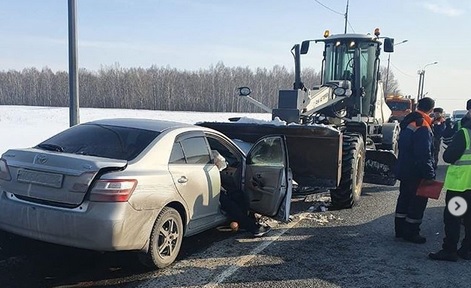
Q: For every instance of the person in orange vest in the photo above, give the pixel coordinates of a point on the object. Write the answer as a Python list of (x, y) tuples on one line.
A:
[(415, 164)]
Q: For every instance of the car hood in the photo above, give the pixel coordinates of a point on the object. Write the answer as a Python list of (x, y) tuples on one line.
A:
[(53, 176)]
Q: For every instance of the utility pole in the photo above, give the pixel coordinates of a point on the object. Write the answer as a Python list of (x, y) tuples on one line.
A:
[(420, 92), (346, 18), (74, 117), (421, 84)]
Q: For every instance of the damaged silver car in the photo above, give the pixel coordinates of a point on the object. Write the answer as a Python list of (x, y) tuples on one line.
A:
[(135, 184)]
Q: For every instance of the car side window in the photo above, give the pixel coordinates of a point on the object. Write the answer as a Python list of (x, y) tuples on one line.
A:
[(230, 157), (268, 152), (177, 156), (196, 150)]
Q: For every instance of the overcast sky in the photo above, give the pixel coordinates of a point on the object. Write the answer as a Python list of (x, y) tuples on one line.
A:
[(195, 34)]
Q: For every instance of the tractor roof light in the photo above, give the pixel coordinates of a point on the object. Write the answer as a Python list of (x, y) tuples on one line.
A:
[(337, 43), (326, 33), (352, 44), (377, 32)]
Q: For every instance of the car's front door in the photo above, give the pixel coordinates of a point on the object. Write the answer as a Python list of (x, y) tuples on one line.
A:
[(268, 179)]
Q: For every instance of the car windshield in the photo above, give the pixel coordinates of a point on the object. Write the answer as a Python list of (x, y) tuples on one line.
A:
[(101, 140)]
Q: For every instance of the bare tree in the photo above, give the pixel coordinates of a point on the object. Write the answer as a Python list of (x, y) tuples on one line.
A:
[(157, 88)]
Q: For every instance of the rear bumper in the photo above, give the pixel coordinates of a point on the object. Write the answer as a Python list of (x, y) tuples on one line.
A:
[(97, 226)]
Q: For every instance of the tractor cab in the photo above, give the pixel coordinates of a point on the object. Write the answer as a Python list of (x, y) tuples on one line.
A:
[(353, 59)]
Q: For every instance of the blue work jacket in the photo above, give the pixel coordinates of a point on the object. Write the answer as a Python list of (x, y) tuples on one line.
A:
[(415, 160)]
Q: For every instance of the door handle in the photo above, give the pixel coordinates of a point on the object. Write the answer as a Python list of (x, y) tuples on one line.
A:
[(182, 180)]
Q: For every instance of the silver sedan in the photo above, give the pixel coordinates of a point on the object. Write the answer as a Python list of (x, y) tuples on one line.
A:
[(135, 184)]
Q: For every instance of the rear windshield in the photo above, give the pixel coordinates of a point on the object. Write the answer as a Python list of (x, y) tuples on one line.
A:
[(101, 140)]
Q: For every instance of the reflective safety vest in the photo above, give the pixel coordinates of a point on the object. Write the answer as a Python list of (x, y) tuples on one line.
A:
[(458, 174)]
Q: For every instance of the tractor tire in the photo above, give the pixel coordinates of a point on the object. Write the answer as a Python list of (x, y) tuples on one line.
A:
[(353, 164), (391, 132)]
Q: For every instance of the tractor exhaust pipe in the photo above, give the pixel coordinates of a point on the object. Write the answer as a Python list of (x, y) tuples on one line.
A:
[(297, 67)]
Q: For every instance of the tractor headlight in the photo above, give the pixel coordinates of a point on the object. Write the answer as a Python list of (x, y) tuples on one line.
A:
[(341, 91)]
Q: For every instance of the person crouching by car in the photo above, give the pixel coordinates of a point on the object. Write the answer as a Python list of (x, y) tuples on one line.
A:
[(234, 203), (415, 164)]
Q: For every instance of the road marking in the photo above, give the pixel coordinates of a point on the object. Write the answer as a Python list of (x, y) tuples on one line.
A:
[(245, 259), (210, 264)]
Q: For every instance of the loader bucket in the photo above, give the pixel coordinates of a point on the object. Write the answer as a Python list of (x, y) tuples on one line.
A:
[(379, 167), (314, 151)]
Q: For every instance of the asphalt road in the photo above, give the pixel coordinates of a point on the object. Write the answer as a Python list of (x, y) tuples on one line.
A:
[(346, 248)]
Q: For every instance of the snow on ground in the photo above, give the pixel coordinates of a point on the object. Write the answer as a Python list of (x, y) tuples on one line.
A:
[(26, 126)]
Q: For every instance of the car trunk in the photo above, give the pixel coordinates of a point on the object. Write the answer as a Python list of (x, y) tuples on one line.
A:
[(53, 177)]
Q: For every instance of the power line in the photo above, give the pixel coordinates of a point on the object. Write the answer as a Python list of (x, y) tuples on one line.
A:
[(351, 27), (332, 10), (401, 71)]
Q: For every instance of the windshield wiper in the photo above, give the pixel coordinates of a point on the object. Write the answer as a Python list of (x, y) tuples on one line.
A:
[(51, 147)]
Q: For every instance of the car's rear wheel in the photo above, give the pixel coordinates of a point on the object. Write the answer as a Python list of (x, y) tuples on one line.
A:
[(165, 240)]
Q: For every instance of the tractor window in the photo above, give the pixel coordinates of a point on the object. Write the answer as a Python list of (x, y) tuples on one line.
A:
[(354, 60), (368, 76), (339, 62)]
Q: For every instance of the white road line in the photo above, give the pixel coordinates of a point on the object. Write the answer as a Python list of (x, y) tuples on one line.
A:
[(230, 270), (243, 260)]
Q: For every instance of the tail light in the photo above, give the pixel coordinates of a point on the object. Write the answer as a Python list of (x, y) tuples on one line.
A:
[(4, 171), (116, 190)]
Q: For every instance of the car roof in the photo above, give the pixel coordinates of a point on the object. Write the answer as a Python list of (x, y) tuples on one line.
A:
[(142, 123)]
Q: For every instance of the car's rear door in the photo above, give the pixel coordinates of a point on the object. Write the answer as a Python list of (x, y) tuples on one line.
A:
[(196, 179), (268, 179)]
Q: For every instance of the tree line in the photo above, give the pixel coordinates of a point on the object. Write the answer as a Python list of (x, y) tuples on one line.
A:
[(156, 88)]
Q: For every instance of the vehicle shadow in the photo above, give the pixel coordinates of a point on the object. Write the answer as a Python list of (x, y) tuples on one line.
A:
[(339, 254), (364, 255), (30, 263)]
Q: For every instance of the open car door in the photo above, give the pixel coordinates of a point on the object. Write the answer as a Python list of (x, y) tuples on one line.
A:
[(268, 179)]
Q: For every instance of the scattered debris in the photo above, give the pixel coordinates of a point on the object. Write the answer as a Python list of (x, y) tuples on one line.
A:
[(318, 207), (318, 197), (320, 202)]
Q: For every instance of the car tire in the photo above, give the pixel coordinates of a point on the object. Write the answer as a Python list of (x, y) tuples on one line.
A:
[(165, 240)]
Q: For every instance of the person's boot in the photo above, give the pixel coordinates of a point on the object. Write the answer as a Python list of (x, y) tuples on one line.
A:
[(399, 226), (444, 255), (464, 251), (411, 233), (464, 254)]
